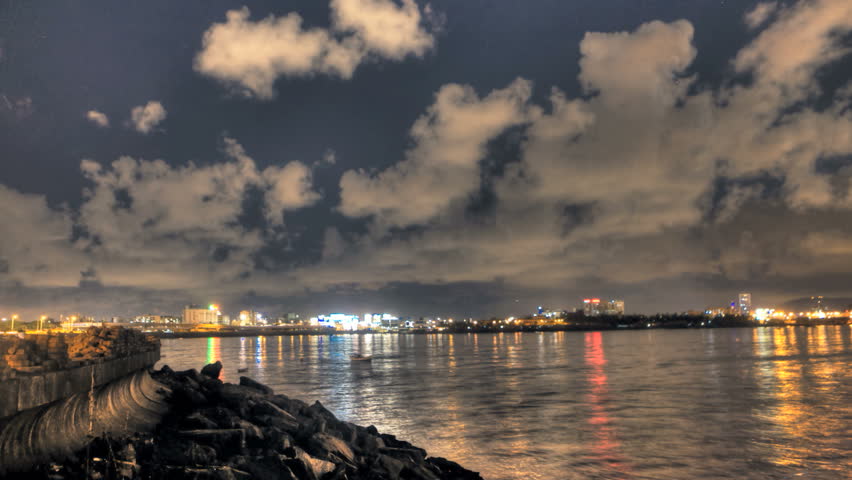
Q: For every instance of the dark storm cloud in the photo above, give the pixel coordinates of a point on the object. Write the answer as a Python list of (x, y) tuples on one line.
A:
[(470, 171)]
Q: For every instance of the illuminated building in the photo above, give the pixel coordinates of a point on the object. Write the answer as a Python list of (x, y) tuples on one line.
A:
[(193, 314), (744, 303), (248, 317), (593, 307), (616, 307), (337, 321), (816, 304), (156, 319), (381, 320)]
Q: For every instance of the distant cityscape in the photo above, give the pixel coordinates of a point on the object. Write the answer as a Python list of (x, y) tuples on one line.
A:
[(591, 313)]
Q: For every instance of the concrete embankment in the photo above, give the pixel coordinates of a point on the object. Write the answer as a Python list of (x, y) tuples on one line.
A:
[(216, 430)]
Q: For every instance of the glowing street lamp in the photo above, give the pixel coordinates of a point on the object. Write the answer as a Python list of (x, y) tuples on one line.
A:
[(41, 322)]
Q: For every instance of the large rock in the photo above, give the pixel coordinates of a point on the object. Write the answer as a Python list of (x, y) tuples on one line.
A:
[(248, 382), (223, 440), (315, 467), (212, 370), (324, 445), (448, 469)]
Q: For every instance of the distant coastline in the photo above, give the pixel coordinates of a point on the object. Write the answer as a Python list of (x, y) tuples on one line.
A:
[(615, 323)]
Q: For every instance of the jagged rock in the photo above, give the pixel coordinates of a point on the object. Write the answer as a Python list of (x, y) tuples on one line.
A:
[(418, 472), (369, 443), (186, 398), (284, 424), (317, 410), (412, 455), (313, 467), (272, 467), (322, 444), (253, 434), (199, 454), (223, 440), (223, 417), (265, 407), (448, 469), (388, 465), (248, 382), (212, 370), (197, 421)]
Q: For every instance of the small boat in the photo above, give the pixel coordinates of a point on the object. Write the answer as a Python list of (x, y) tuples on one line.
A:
[(357, 357), (242, 370)]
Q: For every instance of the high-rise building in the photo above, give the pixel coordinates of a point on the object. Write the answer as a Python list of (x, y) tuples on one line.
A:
[(615, 307), (592, 307), (193, 314), (744, 303)]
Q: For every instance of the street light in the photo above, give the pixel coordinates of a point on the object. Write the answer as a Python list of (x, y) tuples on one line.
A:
[(14, 317), (41, 322)]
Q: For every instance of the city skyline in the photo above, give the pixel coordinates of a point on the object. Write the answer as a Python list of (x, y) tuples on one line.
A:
[(667, 155)]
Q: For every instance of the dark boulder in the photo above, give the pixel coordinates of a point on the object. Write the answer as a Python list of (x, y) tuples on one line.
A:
[(232, 440), (448, 469), (324, 445), (197, 421), (248, 382), (212, 370)]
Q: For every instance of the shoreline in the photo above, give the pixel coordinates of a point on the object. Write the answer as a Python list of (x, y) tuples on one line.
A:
[(275, 332)]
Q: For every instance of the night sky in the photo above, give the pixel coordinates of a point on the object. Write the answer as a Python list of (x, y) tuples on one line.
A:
[(452, 158)]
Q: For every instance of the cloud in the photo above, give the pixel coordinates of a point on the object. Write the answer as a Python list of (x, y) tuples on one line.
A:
[(442, 167), (804, 37), (392, 31), (145, 118), (251, 55), (760, 14), (638, 65), (98, 118), (619, 185), (36, 248), (285, 188)]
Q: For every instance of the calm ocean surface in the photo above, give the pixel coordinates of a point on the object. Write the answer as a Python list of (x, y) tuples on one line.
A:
[(767, 403)]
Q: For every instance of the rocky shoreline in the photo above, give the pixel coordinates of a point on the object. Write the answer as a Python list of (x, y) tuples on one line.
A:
[(224, 431)]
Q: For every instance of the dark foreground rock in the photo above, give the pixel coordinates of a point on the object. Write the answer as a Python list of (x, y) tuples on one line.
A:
[(222, 431)]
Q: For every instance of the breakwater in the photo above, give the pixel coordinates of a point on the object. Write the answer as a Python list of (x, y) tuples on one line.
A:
[(216, 430)]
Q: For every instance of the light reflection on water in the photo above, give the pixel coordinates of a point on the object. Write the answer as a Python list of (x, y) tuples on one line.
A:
[(654, 404)]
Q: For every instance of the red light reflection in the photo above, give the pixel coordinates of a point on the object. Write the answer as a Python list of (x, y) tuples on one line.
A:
[(606, 447)]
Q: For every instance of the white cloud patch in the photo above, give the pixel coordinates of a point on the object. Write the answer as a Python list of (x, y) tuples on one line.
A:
[(251, 55), (35, 247), (758, 15), (393, 31), (145, 118), (286, 188), (450, 141), (98, 118), (640, 65)]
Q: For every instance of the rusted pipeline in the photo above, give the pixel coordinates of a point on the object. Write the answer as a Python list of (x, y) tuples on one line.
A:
[(134, 403)]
